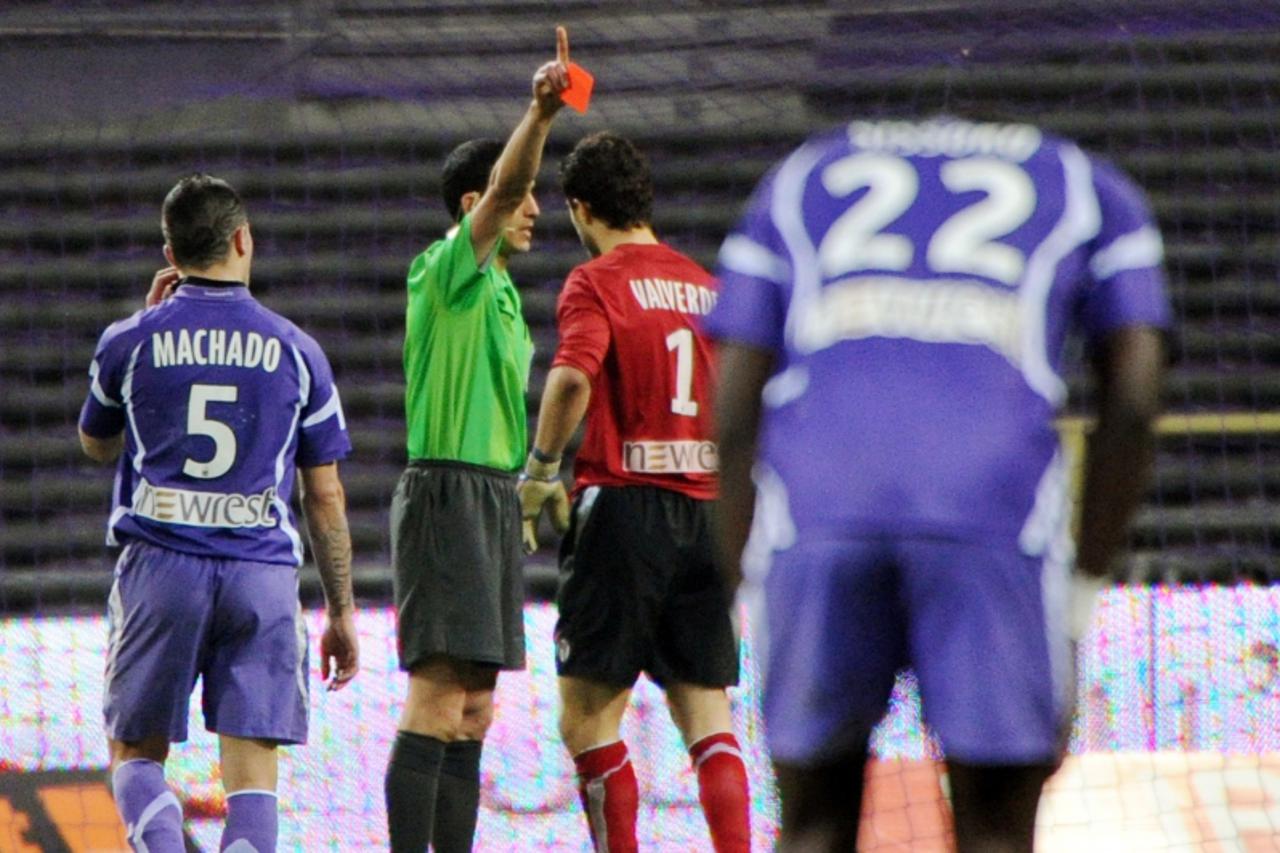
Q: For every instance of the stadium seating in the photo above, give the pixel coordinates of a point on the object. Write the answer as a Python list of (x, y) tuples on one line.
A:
[(341, 186)]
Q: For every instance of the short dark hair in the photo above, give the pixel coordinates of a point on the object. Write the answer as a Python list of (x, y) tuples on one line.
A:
[(610, 174), (199, 216), (466, 170)]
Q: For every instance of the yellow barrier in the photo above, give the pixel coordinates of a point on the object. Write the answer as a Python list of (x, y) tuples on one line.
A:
[(1073, 431)]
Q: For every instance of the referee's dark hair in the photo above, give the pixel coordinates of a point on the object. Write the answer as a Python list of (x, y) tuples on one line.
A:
[(466, 170), (611, 175), (198, 218)]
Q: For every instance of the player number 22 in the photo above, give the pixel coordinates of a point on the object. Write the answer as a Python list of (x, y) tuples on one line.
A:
[(964, 243), (681, 340), (199, 423)]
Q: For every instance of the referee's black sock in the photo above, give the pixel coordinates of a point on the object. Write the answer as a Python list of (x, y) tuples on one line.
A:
[(413, 773), (457, 798)]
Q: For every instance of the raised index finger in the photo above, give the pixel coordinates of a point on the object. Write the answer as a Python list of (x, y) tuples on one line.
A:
[(562, 46)]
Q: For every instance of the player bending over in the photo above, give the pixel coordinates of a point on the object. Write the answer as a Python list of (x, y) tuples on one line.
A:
[(639, 591), (892, 318), (211, 402), (455, 517)]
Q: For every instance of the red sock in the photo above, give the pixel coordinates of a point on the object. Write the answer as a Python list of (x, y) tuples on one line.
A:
[(722, 790), (607, 785)]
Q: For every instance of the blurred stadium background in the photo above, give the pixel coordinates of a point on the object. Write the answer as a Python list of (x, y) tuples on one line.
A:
[(332, 116)]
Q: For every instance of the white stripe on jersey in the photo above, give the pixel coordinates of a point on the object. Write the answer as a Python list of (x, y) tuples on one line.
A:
[(116, 514), (304, 394), (1080, 221), (785, 210), (1137, 250), (772, 529), (304, 377), (784, 387), (126, 391), (328, 410), (96, 389), (1049, 509), (743, 255)]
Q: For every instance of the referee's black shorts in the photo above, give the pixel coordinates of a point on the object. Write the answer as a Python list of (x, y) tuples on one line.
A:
[(456, 553), (639, 591)]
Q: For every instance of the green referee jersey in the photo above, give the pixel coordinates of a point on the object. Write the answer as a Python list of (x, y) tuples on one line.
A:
[(467, 352)]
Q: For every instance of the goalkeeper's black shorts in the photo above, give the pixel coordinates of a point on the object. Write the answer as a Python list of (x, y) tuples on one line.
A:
[(639, 591), (456, 554)]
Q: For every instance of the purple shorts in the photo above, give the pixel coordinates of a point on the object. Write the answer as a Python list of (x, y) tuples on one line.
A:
[(983, 626), (236, 623)]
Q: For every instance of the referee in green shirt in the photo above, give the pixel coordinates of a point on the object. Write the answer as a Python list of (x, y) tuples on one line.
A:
[(455, 517)]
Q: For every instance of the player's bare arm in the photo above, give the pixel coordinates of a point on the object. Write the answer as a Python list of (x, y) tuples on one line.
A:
[(1128, 372), (564, 404), (743, 373), (516, 169), (102, 449), (324, 503)]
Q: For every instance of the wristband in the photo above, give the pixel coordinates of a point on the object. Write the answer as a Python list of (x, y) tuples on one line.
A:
[(544, 472), (545, 458)]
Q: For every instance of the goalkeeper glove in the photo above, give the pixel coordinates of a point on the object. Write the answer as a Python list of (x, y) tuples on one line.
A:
[(539, 486)]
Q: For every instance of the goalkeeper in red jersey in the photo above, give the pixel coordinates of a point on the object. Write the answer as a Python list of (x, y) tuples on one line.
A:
[(638, 587)]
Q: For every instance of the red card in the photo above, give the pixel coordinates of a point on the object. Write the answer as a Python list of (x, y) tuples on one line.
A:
[(578, 95)]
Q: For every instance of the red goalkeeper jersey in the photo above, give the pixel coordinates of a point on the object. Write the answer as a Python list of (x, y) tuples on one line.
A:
[(630, 320)]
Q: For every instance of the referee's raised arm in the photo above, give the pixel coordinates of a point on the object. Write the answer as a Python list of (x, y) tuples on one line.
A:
[(514, 173), (460, 598)]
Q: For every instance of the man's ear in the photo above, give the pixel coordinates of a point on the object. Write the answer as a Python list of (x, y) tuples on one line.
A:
[(581, 210), (168, 255), (468, 201), (242, 240)]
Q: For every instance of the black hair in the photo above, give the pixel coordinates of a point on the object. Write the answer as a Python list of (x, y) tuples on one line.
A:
[(466, 170), (199, 216), (611, 175)]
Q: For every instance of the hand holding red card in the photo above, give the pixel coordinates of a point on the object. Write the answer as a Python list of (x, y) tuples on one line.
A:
[(562, 82), (578, 95)]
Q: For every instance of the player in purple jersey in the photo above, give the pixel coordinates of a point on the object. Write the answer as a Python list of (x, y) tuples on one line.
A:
[(892, 316), (213, 404)]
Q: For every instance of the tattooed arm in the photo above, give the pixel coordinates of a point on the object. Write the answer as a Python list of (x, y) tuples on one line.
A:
[(325, 505)]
